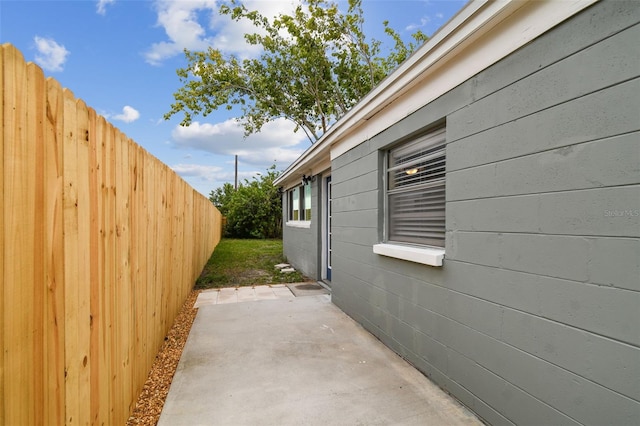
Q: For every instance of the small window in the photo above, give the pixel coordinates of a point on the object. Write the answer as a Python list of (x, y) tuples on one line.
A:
[(300, 203), (416, 191), (294, 204), (307, 202)]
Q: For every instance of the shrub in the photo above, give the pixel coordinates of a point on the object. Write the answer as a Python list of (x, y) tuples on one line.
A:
[(254, 210)]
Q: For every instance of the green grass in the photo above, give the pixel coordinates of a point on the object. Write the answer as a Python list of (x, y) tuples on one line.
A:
[(237, 262)]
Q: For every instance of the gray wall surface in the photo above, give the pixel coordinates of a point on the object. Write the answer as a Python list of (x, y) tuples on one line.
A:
[(534, 317)]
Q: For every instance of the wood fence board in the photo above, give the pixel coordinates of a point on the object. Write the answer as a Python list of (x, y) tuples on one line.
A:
[(135, 210), (118, 358), (176, 229), (54, 255), (109, 295), (150, 264), (95, 316), (73, 396), (142, 284), (164, 254), (18, 233), (3, 307), (187, 235), (84, 264), (36, 117), (161, 236), (128, 331), (100, 366), (123, 279)]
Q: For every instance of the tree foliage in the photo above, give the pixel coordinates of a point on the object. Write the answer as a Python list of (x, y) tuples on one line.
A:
[(254, 210), (315, 65)]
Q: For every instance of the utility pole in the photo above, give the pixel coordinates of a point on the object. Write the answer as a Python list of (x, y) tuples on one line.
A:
[(236, 184)]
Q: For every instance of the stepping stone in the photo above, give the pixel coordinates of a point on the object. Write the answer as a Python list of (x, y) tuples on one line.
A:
[(282, 265), (287, 270)]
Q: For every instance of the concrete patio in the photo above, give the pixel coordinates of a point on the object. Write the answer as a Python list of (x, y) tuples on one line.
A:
[(268, 357)]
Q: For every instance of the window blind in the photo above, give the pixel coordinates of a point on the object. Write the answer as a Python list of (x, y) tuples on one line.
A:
[(416, 191)]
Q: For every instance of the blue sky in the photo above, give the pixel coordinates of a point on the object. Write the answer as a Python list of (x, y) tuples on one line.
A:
[(121, 57)]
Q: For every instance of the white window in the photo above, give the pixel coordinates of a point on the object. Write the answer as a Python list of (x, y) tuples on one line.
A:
[(294, 204), (307, 201), (416, 191), (300, 203)]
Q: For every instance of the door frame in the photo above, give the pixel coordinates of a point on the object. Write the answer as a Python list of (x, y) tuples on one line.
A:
[(326, 229)]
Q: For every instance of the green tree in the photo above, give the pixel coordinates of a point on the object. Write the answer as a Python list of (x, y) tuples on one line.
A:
[(315, 65), (221, 197), (254, 210)]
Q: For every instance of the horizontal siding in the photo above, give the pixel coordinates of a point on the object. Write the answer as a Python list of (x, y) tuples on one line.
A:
[(582, 212), (577, 351), (354, 202), (356, 219), (580, 32), (368, 181), (299, 250), (597, 116), (605, 311), (615, 262), (612, 61), (533, 317), (603, 163), (364, 256), (362, 236)]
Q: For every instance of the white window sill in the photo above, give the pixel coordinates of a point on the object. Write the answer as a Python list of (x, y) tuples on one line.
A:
[(299, 223), (431, 256)]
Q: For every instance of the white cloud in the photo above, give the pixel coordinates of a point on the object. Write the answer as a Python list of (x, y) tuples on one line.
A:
[(229, 36), (197, 25), (439, 15), (101, 7), (275, 143), (203, 173), (423, 23), (206, 178), (51, 56), (129, 114), (180, 21)]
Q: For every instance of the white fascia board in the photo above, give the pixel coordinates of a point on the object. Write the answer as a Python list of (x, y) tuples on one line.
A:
[(318, 164), (316, 153)]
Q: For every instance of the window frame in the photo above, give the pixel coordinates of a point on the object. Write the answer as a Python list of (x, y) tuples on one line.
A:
[(297, 209), (432, 153)]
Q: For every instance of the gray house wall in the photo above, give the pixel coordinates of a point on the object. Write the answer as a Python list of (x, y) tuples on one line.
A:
[(534, 316)]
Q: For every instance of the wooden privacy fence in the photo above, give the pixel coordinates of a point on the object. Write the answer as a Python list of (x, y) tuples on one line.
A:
[(100, 245)]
